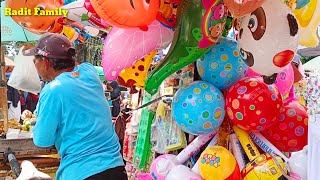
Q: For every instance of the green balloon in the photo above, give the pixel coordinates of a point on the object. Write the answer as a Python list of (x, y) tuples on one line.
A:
[(184, 49)]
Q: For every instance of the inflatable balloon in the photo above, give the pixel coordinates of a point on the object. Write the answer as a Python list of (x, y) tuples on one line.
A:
[(167, 13), (162, 165), (127, 14), (81, 11), (268, 39), (123, 47), (213, 22), (182, 172), (298, 164), (41, 24), (309, 19), (261, 166), (264, 167), (198, 108), (222, 66), (290, 132), (252, 105), (159, 166), (184, 49), (136, 75), (284, 80), (217, 162), (239, 8), (37, 24)]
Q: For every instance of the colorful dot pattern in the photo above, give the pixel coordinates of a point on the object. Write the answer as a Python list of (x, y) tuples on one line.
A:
[(290, 131), (222, 66), (198, 108), (253, 105)]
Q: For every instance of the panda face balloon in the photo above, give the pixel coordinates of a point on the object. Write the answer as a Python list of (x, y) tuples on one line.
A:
[(268, 38)]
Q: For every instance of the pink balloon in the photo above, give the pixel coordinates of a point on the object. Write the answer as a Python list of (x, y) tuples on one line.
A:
[(123, 47), (284, 79)]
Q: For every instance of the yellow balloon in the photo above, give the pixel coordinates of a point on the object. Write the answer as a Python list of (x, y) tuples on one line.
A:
[(308, 19), (264, 168), (136, 74), (217, 163)]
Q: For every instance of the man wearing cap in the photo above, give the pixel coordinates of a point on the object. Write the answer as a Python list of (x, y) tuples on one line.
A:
[(73, 114)]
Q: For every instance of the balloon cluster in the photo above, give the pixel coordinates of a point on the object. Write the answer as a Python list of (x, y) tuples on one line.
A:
[(244, 77)]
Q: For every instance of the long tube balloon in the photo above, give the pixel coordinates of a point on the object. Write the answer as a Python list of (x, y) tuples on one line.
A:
[(188, 34)]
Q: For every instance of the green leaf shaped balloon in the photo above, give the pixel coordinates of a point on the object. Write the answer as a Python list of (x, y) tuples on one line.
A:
[(200, 24)]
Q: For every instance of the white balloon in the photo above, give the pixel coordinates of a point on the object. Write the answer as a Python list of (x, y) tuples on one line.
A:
[(268, 37), (298, 163), (181, 172)]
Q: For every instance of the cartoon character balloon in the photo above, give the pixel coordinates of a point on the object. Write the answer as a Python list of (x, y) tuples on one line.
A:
[(37, 24), (198, 108), (127, 14), (252, 105), (81, 11), (240, 8), (268, 39), (217, 162), (222, 65), (167, 13), (290, 132), (284, 80), (185, 46), (213, 22)]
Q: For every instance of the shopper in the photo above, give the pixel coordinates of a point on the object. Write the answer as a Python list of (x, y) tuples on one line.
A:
[(73, 114), (115, 98)]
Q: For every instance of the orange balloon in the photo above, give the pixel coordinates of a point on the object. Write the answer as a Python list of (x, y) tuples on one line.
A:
[(34, 23), (127, 13), (239, 8)]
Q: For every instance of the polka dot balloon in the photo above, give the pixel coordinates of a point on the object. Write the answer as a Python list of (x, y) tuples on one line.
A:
[(222, 65), (198, 108), (290, 132), (253, 105)]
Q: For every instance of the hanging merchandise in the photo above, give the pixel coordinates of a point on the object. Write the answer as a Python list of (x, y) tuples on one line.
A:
[(81, 11), (313, 93), (309, 19), (268, 39), (25, 76), (222, 66), (192, 38), (135, 76), (127, 14), (123, 47), (143, 146), (253, 105)]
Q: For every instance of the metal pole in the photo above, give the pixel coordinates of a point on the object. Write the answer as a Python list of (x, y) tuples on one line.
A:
[(3, 92)]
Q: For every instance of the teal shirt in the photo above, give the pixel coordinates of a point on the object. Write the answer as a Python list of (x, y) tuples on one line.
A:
[(73, 115)]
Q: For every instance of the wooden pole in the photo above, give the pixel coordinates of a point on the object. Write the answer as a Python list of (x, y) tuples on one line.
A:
[(3, 93)]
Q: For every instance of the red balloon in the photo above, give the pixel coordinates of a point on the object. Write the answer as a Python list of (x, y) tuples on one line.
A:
[(253, 105), (290, 132)]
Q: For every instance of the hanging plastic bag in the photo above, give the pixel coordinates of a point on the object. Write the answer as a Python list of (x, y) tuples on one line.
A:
[(24, 75)]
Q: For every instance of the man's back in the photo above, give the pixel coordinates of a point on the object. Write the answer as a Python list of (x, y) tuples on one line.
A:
[(74, 115)]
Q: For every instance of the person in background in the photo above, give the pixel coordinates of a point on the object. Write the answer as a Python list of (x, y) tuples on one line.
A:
[(73, 114), (115, 98)]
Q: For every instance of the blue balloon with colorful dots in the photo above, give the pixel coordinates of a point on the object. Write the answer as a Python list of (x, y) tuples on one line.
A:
[(222, 66), (198, 108)]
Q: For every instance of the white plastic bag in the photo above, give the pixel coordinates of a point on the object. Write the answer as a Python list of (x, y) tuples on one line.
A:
[(24, 75)]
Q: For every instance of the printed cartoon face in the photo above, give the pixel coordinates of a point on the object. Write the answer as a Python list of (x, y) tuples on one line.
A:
[(268, 38), (215, 30), (127, 13), (218, 12), (37, 24)]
